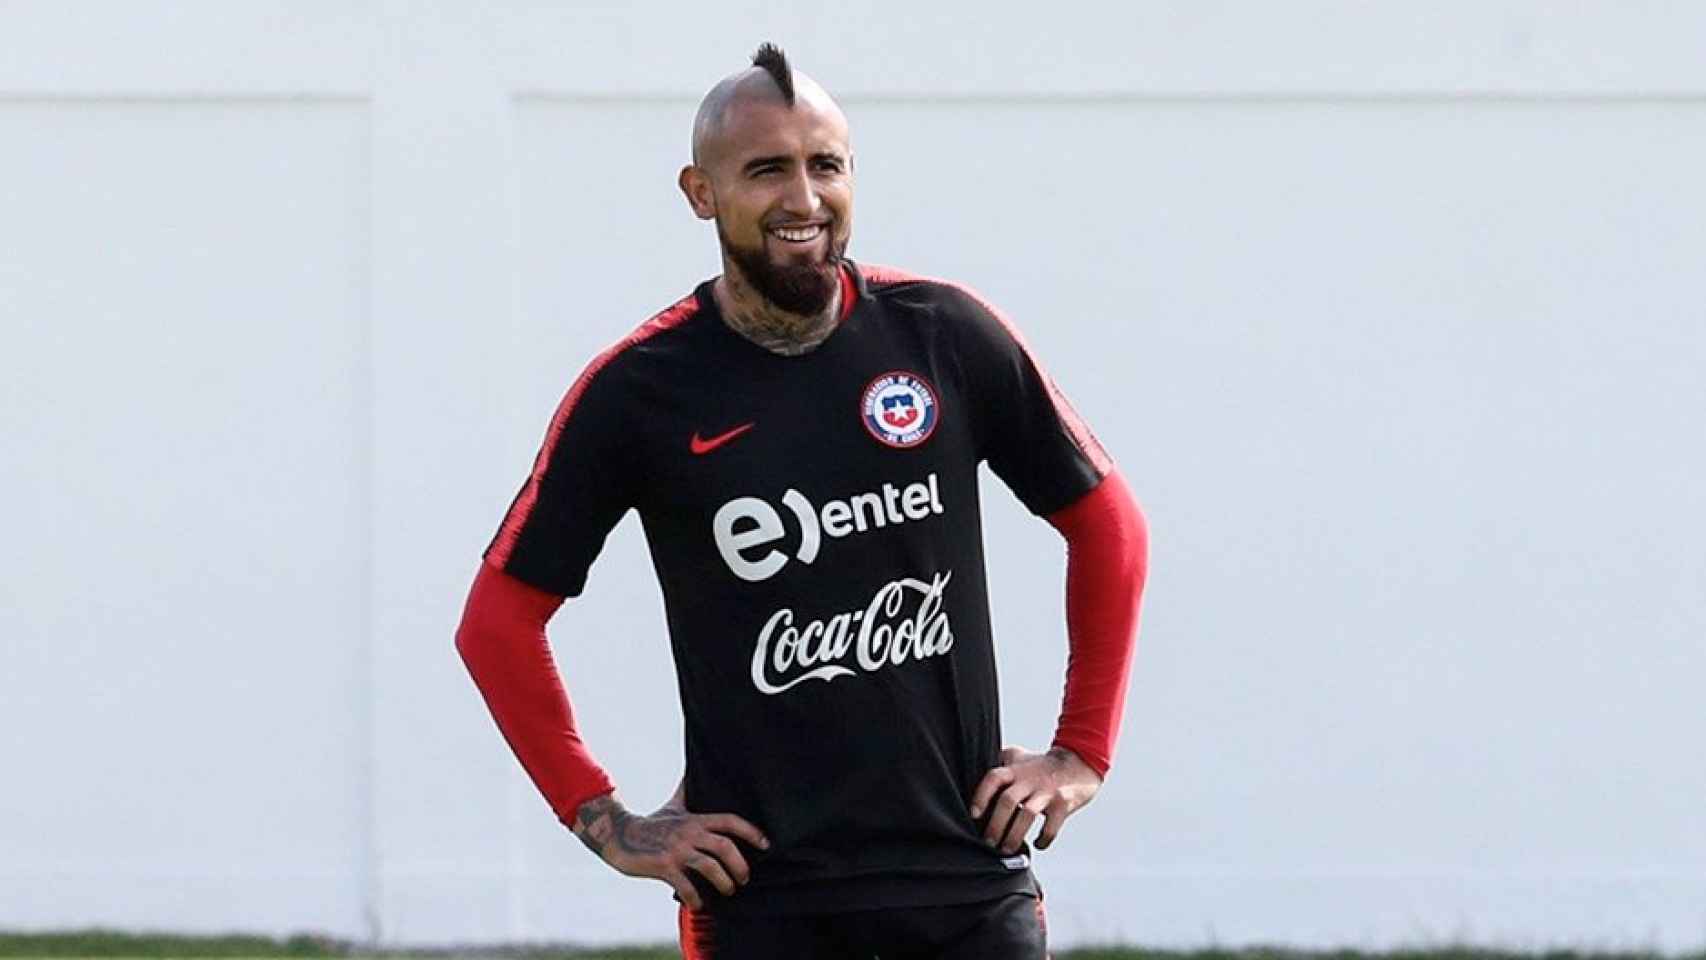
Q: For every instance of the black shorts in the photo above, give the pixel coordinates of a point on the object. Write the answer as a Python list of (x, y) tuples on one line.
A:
[(1007, 928)]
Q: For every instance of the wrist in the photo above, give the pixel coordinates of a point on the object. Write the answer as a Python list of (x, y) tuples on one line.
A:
[(597, 820), (1070, 759)]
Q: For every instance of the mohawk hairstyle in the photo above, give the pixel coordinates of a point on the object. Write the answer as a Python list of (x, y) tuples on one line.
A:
[(774, 62)]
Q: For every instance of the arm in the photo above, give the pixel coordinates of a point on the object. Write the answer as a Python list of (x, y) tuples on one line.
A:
[(502, 641), (1107, 543), (1107, 561)]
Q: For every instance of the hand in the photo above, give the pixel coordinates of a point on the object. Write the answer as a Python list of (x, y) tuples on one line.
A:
[(1053, 785), (668, 843)]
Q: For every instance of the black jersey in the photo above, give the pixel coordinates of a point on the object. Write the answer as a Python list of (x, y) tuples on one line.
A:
[(813, 521)]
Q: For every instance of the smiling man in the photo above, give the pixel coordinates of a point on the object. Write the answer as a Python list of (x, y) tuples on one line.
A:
[(772, 165), (801, 437)]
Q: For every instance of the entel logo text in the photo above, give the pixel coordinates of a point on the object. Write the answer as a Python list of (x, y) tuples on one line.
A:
[(760, 524)]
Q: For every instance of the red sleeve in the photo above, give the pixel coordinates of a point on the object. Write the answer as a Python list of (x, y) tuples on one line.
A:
[(1107, 546), (502, 640)]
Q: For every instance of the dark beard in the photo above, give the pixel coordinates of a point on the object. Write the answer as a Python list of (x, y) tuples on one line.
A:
[(804, 289)]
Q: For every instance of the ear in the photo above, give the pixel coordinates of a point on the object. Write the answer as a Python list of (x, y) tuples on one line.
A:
[(696, 187)]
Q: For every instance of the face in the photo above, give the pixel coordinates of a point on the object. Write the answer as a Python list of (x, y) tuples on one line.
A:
[(779, 183)]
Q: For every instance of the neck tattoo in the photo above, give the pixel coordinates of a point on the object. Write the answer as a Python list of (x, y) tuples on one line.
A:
[(757, 319)]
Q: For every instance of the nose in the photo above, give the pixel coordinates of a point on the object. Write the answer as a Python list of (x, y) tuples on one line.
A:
[(801, 199)]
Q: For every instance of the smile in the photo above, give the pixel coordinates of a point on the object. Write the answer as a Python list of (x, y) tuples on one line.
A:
[(804, 234)]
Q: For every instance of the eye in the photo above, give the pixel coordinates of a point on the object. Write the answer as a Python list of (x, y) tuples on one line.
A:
[(829, 165)]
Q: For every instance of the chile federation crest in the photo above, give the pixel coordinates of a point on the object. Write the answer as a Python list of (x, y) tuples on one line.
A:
[(899, 409)]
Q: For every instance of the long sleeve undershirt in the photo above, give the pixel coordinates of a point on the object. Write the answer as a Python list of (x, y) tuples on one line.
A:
[(1107, 559), (502, 641)]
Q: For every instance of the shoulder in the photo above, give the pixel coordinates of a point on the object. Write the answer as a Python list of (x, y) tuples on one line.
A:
[(607, 378), (618, 362), (657, 334), (893, 284), (956, 304)]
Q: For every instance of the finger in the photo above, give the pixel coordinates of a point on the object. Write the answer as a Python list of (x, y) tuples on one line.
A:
[(1011, 755), (725, 850), (707, 866), (1018, 828), (683, 889), (1054, 817), (738, 826), (992, 781), (1002, 813)]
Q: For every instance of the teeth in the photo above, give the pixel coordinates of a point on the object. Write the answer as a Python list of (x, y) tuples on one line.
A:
[(798, 234)]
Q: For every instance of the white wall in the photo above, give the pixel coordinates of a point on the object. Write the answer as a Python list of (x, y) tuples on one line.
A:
[(1394, 320)]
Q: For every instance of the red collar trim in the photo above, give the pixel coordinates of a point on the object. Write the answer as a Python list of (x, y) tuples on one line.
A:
[(849, 293)]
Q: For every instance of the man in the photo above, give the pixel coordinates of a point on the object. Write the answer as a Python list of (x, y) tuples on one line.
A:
[(801, 438)]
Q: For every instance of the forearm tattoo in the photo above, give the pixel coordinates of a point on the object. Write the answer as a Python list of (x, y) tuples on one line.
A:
[(606, 827)]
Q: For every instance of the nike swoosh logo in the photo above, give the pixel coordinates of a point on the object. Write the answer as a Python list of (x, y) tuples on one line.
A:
[(704, 446)]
